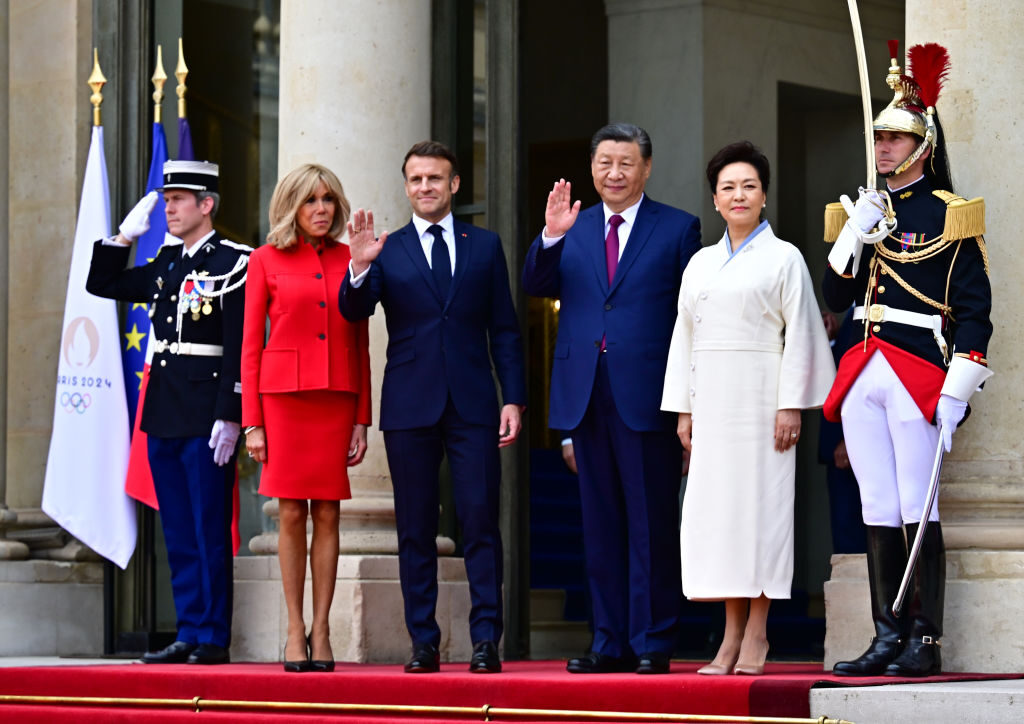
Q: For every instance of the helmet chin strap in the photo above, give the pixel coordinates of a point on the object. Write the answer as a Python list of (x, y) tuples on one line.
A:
[(925, 144)]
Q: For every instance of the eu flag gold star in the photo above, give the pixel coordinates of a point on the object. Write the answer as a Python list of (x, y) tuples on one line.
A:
[(133, 338)]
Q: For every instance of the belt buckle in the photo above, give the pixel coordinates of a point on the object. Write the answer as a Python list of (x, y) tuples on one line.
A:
[(876, 312), (174, 348)]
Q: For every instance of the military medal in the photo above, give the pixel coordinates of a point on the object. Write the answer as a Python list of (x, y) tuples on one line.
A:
[(207, 308)]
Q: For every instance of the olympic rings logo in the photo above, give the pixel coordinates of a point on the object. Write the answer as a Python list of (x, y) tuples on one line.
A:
[(75, 401)]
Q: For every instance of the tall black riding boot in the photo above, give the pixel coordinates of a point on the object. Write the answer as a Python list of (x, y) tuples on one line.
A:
[(887, 559), (922, 655)]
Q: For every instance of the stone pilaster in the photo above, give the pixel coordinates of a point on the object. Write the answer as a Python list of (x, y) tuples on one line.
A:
[(981, 498), (50, 54)]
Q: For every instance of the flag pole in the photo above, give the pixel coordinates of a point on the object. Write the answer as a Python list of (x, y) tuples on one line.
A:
[(181, 72), (96, 83), (158, 79)]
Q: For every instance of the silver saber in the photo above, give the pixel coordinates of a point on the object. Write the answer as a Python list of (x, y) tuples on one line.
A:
[(865, 93), (915, 551)]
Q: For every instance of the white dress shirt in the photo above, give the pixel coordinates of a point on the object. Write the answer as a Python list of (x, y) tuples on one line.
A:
[(422, 227), (628, 219)]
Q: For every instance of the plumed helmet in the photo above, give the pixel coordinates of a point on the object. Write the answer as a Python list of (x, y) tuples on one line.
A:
[(912, 109)]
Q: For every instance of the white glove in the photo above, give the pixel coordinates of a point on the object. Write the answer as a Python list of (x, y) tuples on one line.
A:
[(223, 439), (869, 210), (136, 223), (948, 414)]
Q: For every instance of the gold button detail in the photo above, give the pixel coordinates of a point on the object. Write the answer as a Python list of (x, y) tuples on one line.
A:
[(163, 363), (877, 328), (881, 290)]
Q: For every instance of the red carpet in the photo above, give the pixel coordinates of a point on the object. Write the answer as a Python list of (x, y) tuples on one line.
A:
[(781, 692)]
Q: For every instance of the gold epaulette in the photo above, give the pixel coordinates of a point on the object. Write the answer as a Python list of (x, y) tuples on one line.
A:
[(964, 219), (835, 219)]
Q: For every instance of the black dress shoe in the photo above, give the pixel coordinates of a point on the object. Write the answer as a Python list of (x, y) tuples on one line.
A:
[(653, 663), (176, 653), (485, 658), (426, 659), (301, 665), (209, 654), (319, 665), (594, 663)]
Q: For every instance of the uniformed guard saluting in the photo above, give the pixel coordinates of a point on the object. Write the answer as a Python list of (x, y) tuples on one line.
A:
[(192, 410), (923, 297)]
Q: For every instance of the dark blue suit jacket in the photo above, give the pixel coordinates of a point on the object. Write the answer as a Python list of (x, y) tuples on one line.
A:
[(438, 347), (635, 314)]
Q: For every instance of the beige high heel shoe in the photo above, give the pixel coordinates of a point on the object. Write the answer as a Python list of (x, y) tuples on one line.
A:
[(742, 669), (714, 669)]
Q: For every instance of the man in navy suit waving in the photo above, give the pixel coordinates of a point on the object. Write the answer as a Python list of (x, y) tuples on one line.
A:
[(444, 288), (616, 268)]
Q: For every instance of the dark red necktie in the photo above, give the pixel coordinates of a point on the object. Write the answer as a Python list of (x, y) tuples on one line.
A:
[(611, 255), (611, 246)]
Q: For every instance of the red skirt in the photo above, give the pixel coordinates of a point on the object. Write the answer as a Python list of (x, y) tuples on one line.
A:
[(308, 437)]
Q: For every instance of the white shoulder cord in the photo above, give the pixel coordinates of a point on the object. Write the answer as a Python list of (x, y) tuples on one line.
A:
[(212, 293)]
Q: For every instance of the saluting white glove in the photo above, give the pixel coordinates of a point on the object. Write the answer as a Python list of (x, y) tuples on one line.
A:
[(869, 210), (948, 414), (136, 223), (223, 440)]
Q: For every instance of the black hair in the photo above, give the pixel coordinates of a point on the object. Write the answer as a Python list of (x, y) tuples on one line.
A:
[(739, 152), (625, 132), (936, 167)]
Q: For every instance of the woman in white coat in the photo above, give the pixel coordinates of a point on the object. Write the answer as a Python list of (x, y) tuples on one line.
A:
[(749, 351)]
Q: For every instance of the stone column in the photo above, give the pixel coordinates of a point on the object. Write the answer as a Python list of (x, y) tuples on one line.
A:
[(8, 549), (355, 95), (50, 607), (981, 498)]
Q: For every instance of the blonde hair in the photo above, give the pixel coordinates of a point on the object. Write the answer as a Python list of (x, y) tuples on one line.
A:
[(291, 193)]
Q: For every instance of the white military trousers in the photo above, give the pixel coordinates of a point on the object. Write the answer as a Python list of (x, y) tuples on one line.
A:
[(891, 447)]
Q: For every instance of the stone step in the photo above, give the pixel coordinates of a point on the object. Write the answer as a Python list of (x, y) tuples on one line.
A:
[(961, 702), (547, 604), (551, 636)]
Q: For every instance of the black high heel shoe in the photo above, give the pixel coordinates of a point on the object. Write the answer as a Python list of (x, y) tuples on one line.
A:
[(322, 665), (297, 667)]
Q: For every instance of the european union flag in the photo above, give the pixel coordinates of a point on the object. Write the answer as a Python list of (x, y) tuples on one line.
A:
[(137, 321)]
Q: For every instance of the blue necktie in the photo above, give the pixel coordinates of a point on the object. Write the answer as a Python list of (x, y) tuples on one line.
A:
[(440, 262)]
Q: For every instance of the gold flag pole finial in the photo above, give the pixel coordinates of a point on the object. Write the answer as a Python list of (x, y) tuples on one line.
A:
[(181, 72), (158, 79), (96, 82)]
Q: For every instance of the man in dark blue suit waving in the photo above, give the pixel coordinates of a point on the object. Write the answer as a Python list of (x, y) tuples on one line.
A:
[(616, 268), (445, 292)]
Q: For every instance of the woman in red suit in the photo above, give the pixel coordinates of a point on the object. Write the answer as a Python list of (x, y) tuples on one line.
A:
[(305, 392)]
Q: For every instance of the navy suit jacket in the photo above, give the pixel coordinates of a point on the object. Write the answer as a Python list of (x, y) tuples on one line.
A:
[(635, 314), (440, 347)]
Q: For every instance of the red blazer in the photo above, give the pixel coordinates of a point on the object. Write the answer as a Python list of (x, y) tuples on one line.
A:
[(311, 346)]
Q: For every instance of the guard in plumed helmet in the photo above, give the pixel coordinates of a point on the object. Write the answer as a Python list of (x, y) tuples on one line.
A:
[(193, 405), (912, 257)]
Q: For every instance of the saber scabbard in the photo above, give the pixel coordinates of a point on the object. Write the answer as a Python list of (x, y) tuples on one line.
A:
[(915, 551)]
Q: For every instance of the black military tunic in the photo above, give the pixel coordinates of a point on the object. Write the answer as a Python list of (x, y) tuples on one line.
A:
[(914, 269), (186, 392)]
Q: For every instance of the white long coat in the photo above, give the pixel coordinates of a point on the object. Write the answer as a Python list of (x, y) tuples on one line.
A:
[(748, 341)]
